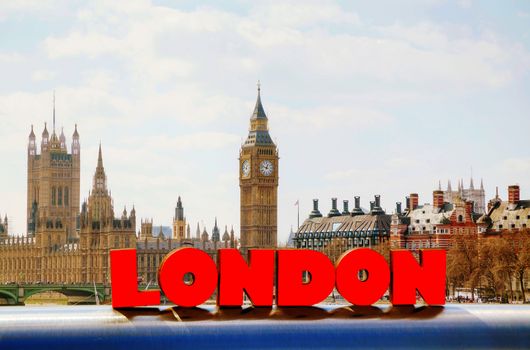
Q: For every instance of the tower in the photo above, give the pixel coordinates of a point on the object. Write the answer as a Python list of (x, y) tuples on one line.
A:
[(258, 183), (179, 222), (53, 181)]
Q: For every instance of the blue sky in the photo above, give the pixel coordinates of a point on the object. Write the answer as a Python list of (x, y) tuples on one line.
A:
[(363, 98)]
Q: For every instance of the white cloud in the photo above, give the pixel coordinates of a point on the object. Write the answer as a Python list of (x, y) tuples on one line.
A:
[(167, 92), (41, 75)]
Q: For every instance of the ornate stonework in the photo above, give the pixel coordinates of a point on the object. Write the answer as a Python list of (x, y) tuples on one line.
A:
[(258, 182)]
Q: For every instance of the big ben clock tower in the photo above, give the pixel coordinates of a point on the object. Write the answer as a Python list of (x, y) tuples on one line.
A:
[(258, 183)]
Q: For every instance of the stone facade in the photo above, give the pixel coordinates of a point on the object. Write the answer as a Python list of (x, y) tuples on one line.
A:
[(258, 183), (152, 247), (471, 194), (63, 247), (50, 254)]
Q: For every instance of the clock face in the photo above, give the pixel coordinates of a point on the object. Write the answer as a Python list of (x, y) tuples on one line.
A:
[(266, 167), (245, 168)]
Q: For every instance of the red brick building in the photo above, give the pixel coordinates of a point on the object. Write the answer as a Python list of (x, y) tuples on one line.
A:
[(431, 225)]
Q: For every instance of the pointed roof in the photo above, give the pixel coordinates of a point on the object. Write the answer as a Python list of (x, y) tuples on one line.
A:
[(215, 232), (45, 131), (226, 236), (100, 178), (62, 138), (259, 112), (204, 236), (100, 157), (449, 185), (32, 134), (481, 184), (471, 186), (76, 134)]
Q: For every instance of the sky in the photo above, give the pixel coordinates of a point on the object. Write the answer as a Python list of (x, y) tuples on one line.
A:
[(363, 98)]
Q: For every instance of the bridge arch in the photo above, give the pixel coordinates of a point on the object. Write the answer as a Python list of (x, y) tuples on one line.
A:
[(9, 296), (68, 291)]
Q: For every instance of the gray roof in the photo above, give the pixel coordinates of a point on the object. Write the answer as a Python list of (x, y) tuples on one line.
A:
[(339, 226), (259, 112)]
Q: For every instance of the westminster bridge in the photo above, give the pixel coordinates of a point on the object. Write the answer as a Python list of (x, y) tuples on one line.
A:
[(17, 294)]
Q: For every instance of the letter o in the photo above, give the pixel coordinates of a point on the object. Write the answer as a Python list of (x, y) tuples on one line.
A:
[(176, 265), (349, 285)]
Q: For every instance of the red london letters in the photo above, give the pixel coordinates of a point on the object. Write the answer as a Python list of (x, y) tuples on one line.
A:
[(189, 276)]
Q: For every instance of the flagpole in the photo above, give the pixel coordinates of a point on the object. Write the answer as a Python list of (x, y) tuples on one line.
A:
[(298, 218)]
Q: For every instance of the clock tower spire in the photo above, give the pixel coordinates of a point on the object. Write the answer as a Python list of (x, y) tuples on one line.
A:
[(258, 183)]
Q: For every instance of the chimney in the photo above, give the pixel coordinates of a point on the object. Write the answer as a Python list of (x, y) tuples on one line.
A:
[(414, 200), (513, 194), (437, 200), (345, 210), (333, 211), (377, 201), (398, 207), (315, 213), (407, 203), (357, 209), (469, 207), (372, 203)]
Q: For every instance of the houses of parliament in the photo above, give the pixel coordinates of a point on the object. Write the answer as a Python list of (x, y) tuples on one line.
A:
[(69, 242)]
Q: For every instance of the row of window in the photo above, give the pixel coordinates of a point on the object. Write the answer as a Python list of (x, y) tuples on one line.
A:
[(512, 226), (60, 196), (518, 217), (366, 242)]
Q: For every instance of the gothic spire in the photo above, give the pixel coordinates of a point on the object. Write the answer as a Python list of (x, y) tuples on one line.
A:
[(32, 134), (100, 179), (45, 132), (100, 157), (482, 184), (471, 186), (259, 112), (449, 185)]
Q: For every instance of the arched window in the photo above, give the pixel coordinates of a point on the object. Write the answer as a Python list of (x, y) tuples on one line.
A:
[(66, 196), (53, 195), (60, 196), (460, 218)]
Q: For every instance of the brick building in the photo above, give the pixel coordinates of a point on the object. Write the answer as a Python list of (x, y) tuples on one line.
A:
[(432, 225)]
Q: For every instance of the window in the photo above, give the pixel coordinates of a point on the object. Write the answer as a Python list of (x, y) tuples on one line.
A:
[(60, 196), (460, 218), (517, 217), (53, 195), (428, 220), (505, 218), (66, 196)]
